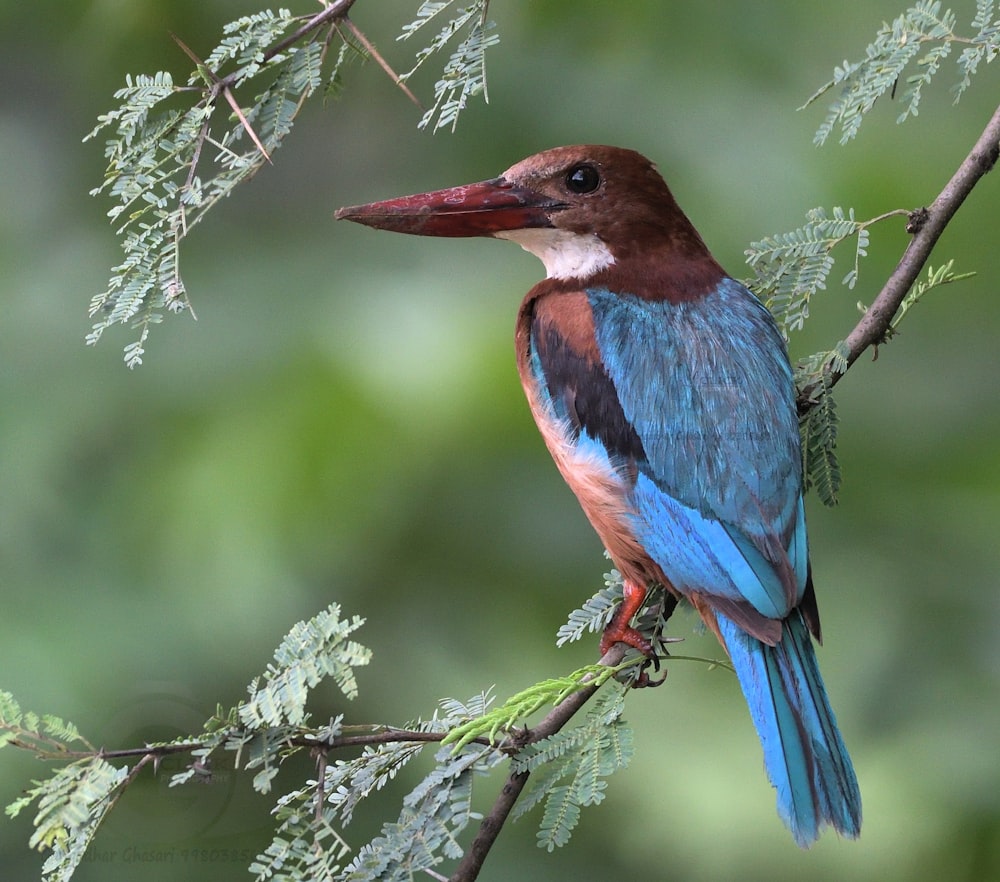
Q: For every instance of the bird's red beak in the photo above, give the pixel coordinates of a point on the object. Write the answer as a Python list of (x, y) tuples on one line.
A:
[(470, 210)]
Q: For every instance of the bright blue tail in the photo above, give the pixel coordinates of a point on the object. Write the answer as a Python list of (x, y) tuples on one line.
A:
[(805, 757)]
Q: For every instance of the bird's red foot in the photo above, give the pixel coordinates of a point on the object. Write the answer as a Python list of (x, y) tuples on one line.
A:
[(620, 631)]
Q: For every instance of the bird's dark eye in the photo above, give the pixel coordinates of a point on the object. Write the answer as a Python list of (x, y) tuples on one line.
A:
[(583, 178)]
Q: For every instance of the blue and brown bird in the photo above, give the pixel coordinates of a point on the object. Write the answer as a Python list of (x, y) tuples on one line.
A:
[(663, 390)]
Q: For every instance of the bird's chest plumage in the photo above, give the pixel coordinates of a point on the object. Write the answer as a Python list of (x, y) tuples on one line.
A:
[(577, 412)]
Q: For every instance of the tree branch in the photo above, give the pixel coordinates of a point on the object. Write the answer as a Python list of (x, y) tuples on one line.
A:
[(927, 225), (156, 752), (472, 861), (331, 13)]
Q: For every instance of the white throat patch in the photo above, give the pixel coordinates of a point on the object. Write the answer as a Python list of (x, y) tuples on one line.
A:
[(566, 255)]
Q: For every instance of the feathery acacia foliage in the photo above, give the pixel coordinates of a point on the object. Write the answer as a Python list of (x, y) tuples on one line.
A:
[(792, 267), (175, 150), (595, 613), (923, 35), (818, 419), (943, 275), (262, 733), (818, 428), (503, 719), (575, 765), (273, 725), (464, 74)]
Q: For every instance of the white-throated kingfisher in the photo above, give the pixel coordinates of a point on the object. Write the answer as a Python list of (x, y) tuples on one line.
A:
[(664, 393)]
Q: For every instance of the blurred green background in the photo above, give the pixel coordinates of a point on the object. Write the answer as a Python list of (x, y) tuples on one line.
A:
[(344, 422)]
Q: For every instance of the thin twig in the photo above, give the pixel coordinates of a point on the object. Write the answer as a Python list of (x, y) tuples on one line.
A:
[(330, 14), (384, 735), (116, 794), (875, 323), (392, 736)]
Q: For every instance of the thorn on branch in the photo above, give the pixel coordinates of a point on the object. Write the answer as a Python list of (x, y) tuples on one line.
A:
[(221, 87), (320, 753), (916, 219), (516, 739), (231, 98), (369, 47)]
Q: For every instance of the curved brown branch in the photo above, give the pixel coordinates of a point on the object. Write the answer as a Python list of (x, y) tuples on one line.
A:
[(927, 225)]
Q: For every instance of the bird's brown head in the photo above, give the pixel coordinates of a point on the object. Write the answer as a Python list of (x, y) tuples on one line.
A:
[(578, 208)]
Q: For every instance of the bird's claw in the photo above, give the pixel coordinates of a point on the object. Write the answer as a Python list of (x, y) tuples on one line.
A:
[(643, 680), (653, 655)]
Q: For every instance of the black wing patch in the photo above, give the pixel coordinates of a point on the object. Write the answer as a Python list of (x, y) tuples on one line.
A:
[(582, 393)]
